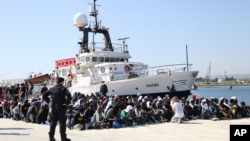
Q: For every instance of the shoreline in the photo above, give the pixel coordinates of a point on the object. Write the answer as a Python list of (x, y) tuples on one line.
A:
[(220, 85)]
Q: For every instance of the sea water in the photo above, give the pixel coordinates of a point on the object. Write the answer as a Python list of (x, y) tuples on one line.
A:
[(241, 92)]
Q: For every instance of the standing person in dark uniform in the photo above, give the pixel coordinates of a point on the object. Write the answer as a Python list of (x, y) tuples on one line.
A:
[(44, 89), (22, 92), (1, 92), (31, 89), (16, 92), (103, 89), (60, 98)]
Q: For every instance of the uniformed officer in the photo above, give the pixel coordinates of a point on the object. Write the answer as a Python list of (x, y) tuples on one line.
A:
[(60, 98)]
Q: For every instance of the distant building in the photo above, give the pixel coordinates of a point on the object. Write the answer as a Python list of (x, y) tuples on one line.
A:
[(10, 82), (221, 80), (241, 81)]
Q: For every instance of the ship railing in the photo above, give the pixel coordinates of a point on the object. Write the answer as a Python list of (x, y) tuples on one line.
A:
[(168, 69), (164, 69), (100, 46), (150, 71), (135, 73)]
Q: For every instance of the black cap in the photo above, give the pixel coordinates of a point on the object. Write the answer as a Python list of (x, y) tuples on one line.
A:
[(60, 80)]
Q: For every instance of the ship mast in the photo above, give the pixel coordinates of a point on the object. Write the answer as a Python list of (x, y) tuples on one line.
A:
[(80, 21), (187, 57), (93, 12), (98, 29)]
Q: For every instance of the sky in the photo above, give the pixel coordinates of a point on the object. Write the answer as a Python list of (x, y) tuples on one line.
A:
[(33, 34)]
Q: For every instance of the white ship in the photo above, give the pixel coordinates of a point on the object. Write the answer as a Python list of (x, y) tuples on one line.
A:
[(107, 63)]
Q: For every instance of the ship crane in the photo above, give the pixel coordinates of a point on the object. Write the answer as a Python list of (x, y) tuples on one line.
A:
[(225, 75), (208, 74)]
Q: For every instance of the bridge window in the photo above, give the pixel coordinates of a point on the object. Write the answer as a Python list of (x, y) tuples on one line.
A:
[(94, 59), (64, 72), (106, 59), (112, 59), (117, 59), (101, 59)]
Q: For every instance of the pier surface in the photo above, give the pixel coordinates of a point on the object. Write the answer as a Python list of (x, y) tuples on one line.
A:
[(194, 130)]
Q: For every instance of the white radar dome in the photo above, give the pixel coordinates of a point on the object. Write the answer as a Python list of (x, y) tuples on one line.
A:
[(80, 20)]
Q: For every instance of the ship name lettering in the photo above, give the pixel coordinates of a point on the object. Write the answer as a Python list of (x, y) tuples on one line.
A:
[(152, 85)]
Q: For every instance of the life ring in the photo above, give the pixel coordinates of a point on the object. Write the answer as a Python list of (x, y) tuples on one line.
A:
[(127, 68)]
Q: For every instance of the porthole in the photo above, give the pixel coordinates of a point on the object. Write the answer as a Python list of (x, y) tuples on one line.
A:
[(87, 59), (102, 70)]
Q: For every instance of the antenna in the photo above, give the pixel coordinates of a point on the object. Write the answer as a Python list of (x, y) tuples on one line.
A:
[(123, 43), (123, 40), (93, 12)]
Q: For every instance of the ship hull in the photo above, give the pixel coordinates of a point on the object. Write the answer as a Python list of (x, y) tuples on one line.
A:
[(156, 85)]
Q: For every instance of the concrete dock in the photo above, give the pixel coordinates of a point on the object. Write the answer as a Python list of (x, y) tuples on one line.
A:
[(194, 130)]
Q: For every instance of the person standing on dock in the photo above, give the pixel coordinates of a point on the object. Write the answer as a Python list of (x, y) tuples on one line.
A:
[(22, 92), (60, 98), (44, 89), (103, 89)]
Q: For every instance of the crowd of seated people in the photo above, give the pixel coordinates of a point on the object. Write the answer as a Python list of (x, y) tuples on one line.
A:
[(96, 111)]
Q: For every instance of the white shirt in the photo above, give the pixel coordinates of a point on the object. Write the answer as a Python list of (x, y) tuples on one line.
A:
[(178, 110), (109, 104)]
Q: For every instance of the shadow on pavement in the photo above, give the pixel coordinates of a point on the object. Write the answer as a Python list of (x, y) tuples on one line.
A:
[(19, 134), (14, 133), (15, 128)]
